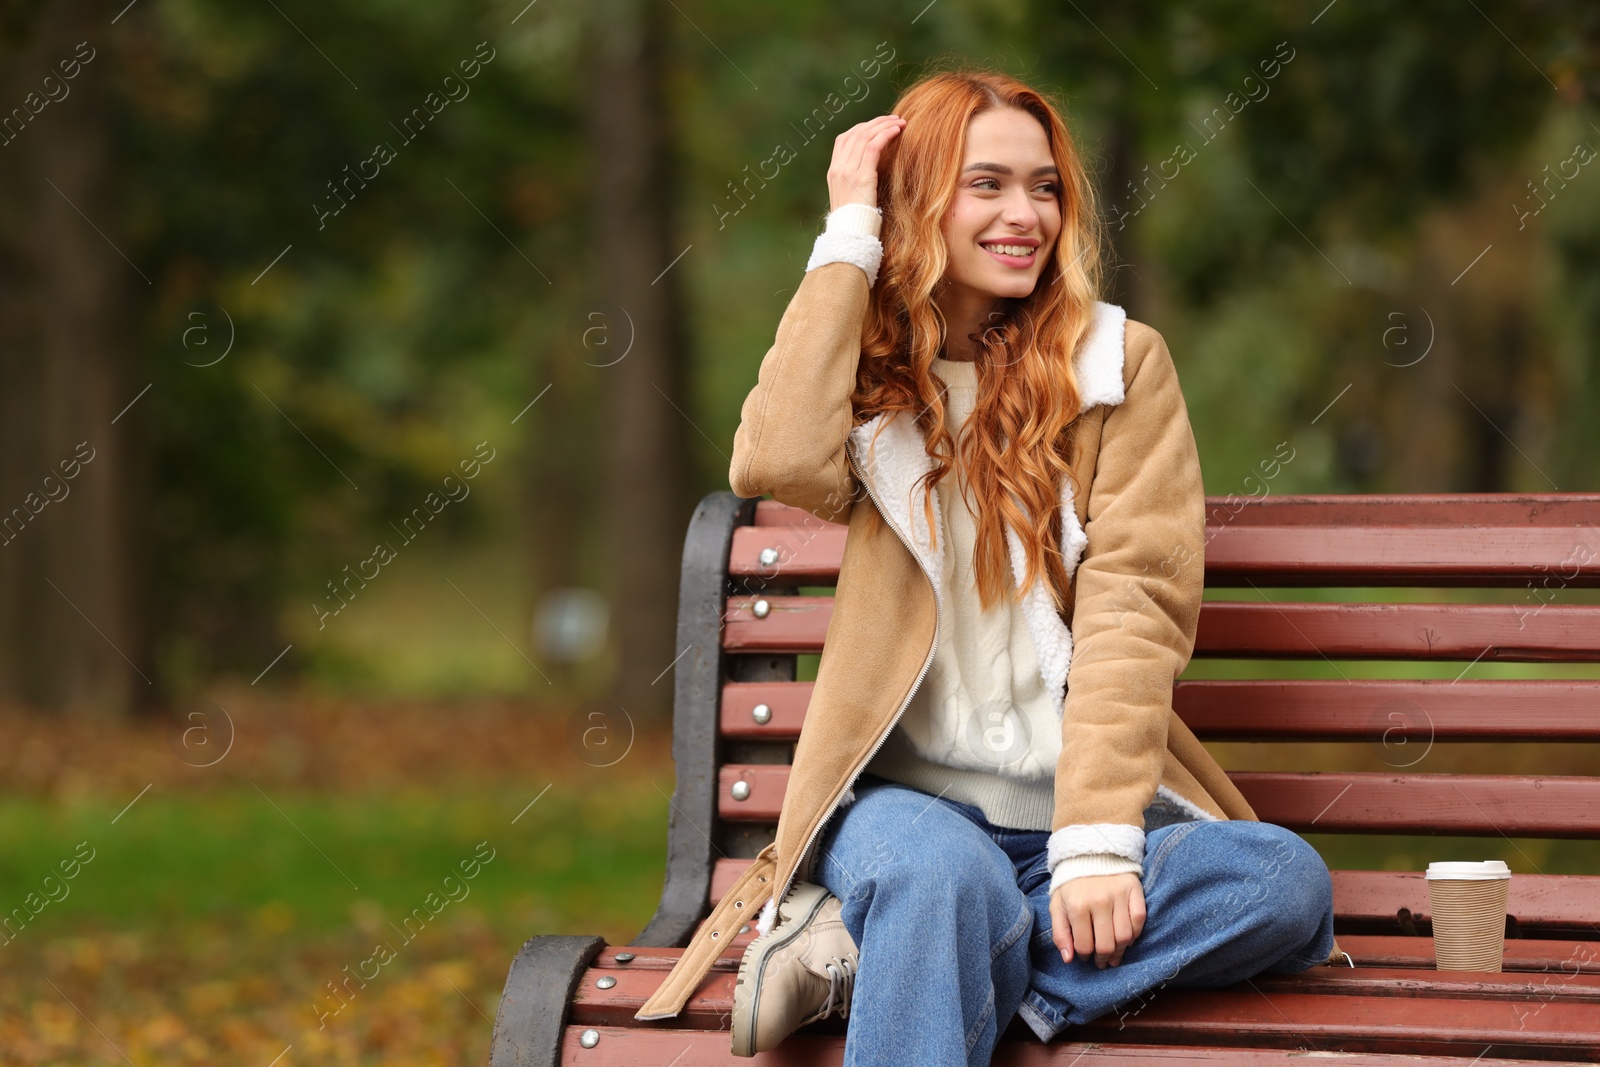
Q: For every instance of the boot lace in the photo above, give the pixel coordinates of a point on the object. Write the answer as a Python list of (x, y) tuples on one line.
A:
[(841, 972)]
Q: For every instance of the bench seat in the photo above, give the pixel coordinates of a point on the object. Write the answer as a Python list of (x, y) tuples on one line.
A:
[(705, 1047), (738, 715), (1371, 1009)]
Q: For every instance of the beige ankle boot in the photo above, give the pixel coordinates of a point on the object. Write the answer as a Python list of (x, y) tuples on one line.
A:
[(802, 971)]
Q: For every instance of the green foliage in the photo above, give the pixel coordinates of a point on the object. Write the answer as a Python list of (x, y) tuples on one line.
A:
[(454, 286), (386, 341)]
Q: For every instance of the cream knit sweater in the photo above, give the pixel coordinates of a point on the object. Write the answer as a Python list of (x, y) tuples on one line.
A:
[(980, 729)]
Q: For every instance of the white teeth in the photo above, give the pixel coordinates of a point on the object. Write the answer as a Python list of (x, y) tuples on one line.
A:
[(1010, 250)]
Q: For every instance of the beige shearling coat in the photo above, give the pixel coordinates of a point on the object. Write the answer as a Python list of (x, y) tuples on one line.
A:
[(1133, 543)]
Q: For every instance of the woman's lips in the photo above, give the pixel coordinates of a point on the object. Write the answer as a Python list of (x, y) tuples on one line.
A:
[(1013, 261)]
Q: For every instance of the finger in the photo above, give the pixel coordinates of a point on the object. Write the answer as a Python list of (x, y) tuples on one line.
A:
[(1082, 928), (1121, 928), (1122, 924), (870, 158), (859, 142), (868, 147), (847, 145), (853, 155), (1136, 909), (847, 150), (865, 132), (1060, 929), (1105, 936), (856, 152)]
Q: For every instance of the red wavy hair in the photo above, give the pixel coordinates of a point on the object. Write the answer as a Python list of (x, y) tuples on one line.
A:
[(1019, 445)]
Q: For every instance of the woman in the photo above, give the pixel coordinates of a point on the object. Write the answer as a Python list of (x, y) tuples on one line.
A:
[(1031, 829)]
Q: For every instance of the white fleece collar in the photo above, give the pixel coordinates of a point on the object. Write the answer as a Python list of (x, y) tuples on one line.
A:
[(1100, 358), (899, 458)]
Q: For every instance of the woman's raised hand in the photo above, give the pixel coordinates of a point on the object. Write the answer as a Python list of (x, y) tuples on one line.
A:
[(853, 174)]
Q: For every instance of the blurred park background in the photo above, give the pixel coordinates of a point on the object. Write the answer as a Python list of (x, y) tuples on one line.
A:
[(362, 367)]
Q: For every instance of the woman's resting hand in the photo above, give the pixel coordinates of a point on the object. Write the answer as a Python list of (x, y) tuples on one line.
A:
[(1098, 914)]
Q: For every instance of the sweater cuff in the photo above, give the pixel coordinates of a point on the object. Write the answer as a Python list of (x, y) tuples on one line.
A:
[(1087, 866), (1097, 840), (851, 236), (855, 218)]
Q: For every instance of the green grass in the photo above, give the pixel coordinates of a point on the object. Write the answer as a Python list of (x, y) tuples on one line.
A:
[(208, 925), (571, 862)]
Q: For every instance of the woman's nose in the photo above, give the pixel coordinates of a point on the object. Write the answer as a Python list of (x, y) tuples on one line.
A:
[(1019, 209)]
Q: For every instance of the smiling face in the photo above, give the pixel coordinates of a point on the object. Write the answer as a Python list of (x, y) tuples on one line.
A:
[(1002, 223)]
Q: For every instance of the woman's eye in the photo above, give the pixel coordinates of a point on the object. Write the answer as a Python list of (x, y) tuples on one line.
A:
[(1051, 188)]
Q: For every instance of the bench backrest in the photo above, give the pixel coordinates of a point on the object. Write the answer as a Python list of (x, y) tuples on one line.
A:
[(756, 596)]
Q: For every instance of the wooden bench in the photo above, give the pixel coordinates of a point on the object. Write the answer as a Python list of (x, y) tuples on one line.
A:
[(739, 709)]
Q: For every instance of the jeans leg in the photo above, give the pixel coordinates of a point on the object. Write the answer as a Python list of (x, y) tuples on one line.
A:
[(941, 927), (1224, 901)]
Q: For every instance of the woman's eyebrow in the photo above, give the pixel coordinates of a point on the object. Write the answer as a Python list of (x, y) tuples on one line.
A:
[(1001, 168)]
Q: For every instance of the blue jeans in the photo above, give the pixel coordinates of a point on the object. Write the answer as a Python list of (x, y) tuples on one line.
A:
[(951, 915)]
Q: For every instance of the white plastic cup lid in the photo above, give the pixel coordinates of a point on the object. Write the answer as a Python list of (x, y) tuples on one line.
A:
[(1472, 871)]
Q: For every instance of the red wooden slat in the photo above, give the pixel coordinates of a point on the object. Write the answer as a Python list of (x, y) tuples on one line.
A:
[(649, 1043), (1432, 1018), (657, 958), (1543, 543), (786, 701), (1572, 987), (1487, 632), (645, 1043), (1521, 954), (1404, 716), (1244, 1016), (1326, 802), (1550, 903), (1546, 903), (1533, 958), (807, 554), (767, 783), (1441, 510), (1473, 804), (772, 513), (792, 623), (1291, 630), (724, 873), (1542, 559)]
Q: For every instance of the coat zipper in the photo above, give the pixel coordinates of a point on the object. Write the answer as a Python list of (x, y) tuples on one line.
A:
[(800, 861)]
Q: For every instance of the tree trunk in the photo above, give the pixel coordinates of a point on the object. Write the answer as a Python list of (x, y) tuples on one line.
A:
[(1125, 284), (647, 491), (68, 633)]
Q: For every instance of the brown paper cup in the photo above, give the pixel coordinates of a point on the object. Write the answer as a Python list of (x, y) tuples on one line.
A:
[(1468, 901)]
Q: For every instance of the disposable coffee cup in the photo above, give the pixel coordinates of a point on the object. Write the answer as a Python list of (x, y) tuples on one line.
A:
[(1469, 914)]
